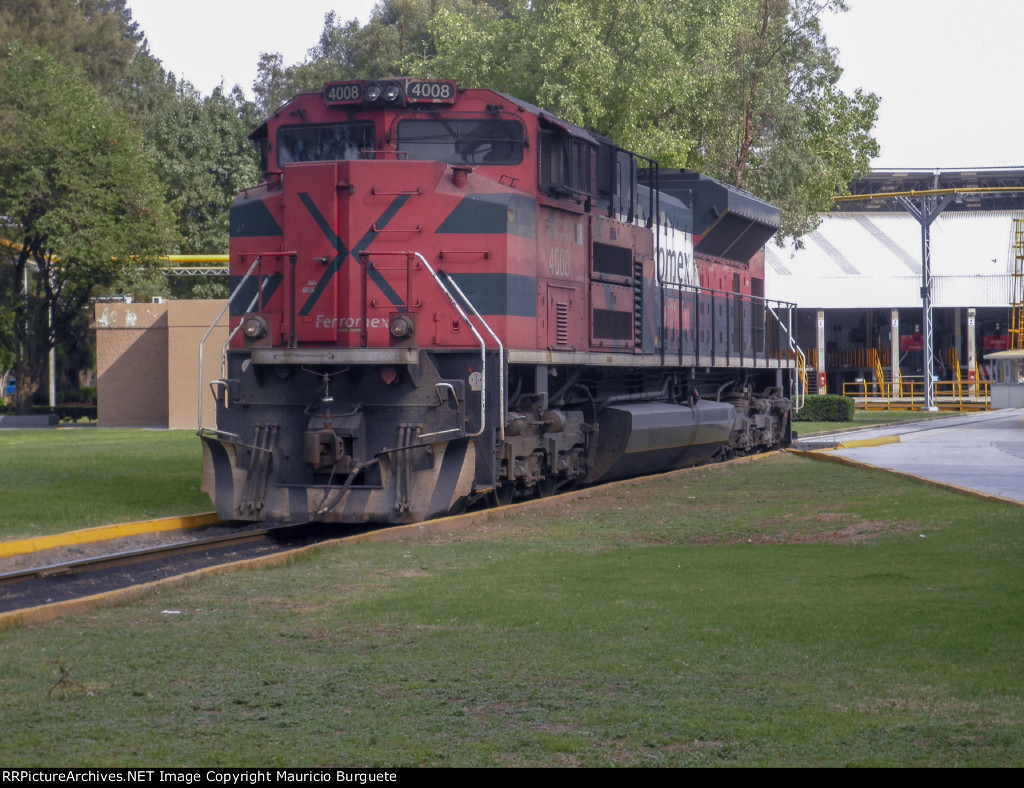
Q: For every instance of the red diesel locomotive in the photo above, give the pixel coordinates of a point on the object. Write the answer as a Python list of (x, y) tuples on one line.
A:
[(442, 295)]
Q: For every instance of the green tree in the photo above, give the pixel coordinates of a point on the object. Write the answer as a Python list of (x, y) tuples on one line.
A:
[(199, 144), (97, 36), (200, 147), (781, 127), (619, 68), (744, 90), (397, 30), (82, 204)]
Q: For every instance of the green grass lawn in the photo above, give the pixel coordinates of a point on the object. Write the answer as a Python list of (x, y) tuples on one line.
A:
[(782, 612), (60, 480)]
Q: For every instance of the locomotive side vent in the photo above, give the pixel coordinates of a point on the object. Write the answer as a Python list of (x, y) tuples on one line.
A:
[(638, 305), (562, 323)]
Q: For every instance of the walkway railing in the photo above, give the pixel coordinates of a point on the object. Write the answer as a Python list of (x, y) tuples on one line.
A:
[(950, 395)]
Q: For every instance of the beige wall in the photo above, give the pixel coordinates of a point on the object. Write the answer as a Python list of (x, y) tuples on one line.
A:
[(187, 323), (131, 365), (147, 363)]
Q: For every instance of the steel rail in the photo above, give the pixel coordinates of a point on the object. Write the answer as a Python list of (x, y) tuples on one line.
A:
[(136, 556)]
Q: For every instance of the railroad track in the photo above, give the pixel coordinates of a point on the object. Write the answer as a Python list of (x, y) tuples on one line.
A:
[(50, 585), (70, 580)]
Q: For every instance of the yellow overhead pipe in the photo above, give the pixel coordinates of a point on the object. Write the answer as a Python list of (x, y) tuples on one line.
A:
[(196, 258), (221, 259), (924, 193)]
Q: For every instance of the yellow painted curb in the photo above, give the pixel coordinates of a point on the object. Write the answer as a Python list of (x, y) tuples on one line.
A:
[(44, 613), (103, 532), (861, 444)]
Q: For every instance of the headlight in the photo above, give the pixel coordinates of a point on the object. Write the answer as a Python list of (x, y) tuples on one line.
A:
[(401, 327), (392, 93), (254, 327), (372, 93)]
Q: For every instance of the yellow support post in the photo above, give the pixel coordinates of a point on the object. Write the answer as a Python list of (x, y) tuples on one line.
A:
[(879, 373), (1016, 331), (953, 359)]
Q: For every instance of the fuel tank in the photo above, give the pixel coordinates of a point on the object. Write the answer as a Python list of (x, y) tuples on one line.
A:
[(638, 438)]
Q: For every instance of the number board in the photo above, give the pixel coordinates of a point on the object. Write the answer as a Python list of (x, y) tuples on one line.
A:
[(417, 91), (420, 91), (343, 92)]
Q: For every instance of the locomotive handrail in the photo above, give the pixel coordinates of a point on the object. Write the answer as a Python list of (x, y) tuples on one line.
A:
[(417, 229), (483, 346), (482, 252), (235, 330), (759, 350), (408, 192), (213, 325), (480, 339), (798, 394), (501, 354)]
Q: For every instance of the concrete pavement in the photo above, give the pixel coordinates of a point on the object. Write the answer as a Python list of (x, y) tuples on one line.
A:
[(978, 451)]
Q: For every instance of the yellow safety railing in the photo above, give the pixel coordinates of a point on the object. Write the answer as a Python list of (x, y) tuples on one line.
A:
[(949, 395), (810, 365), (951, 358), (885, 387), (853, 358)]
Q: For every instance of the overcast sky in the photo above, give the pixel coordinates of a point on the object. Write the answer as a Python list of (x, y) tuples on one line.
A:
[(947, 71)]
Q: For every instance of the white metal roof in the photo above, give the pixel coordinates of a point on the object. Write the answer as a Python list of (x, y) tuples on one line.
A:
[(873, 260)]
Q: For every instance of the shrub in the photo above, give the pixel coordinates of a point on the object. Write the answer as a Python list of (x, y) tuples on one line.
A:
[(826, 407), (86, 394), (69, 412)]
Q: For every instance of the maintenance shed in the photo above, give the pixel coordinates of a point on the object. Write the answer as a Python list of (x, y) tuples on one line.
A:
[(857, 279)]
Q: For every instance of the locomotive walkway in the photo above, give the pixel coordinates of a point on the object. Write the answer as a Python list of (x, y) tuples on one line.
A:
[(982, 452)]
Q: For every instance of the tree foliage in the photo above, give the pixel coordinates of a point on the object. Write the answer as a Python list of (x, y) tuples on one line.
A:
[(619, 68), (200, 147), (61, 150), (782, 128), (744, 90), (97, 36), (397, 30), (80, 200)]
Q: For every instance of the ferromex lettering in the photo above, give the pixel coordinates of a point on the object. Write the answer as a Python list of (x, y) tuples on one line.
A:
[(343, 324)]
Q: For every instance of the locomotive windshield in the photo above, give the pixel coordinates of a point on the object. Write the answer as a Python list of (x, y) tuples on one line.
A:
[(462, 140), (335, 142)]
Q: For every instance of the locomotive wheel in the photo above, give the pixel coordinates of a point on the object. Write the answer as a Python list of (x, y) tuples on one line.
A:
[(460, 506), (504, 494), (547, 486)]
